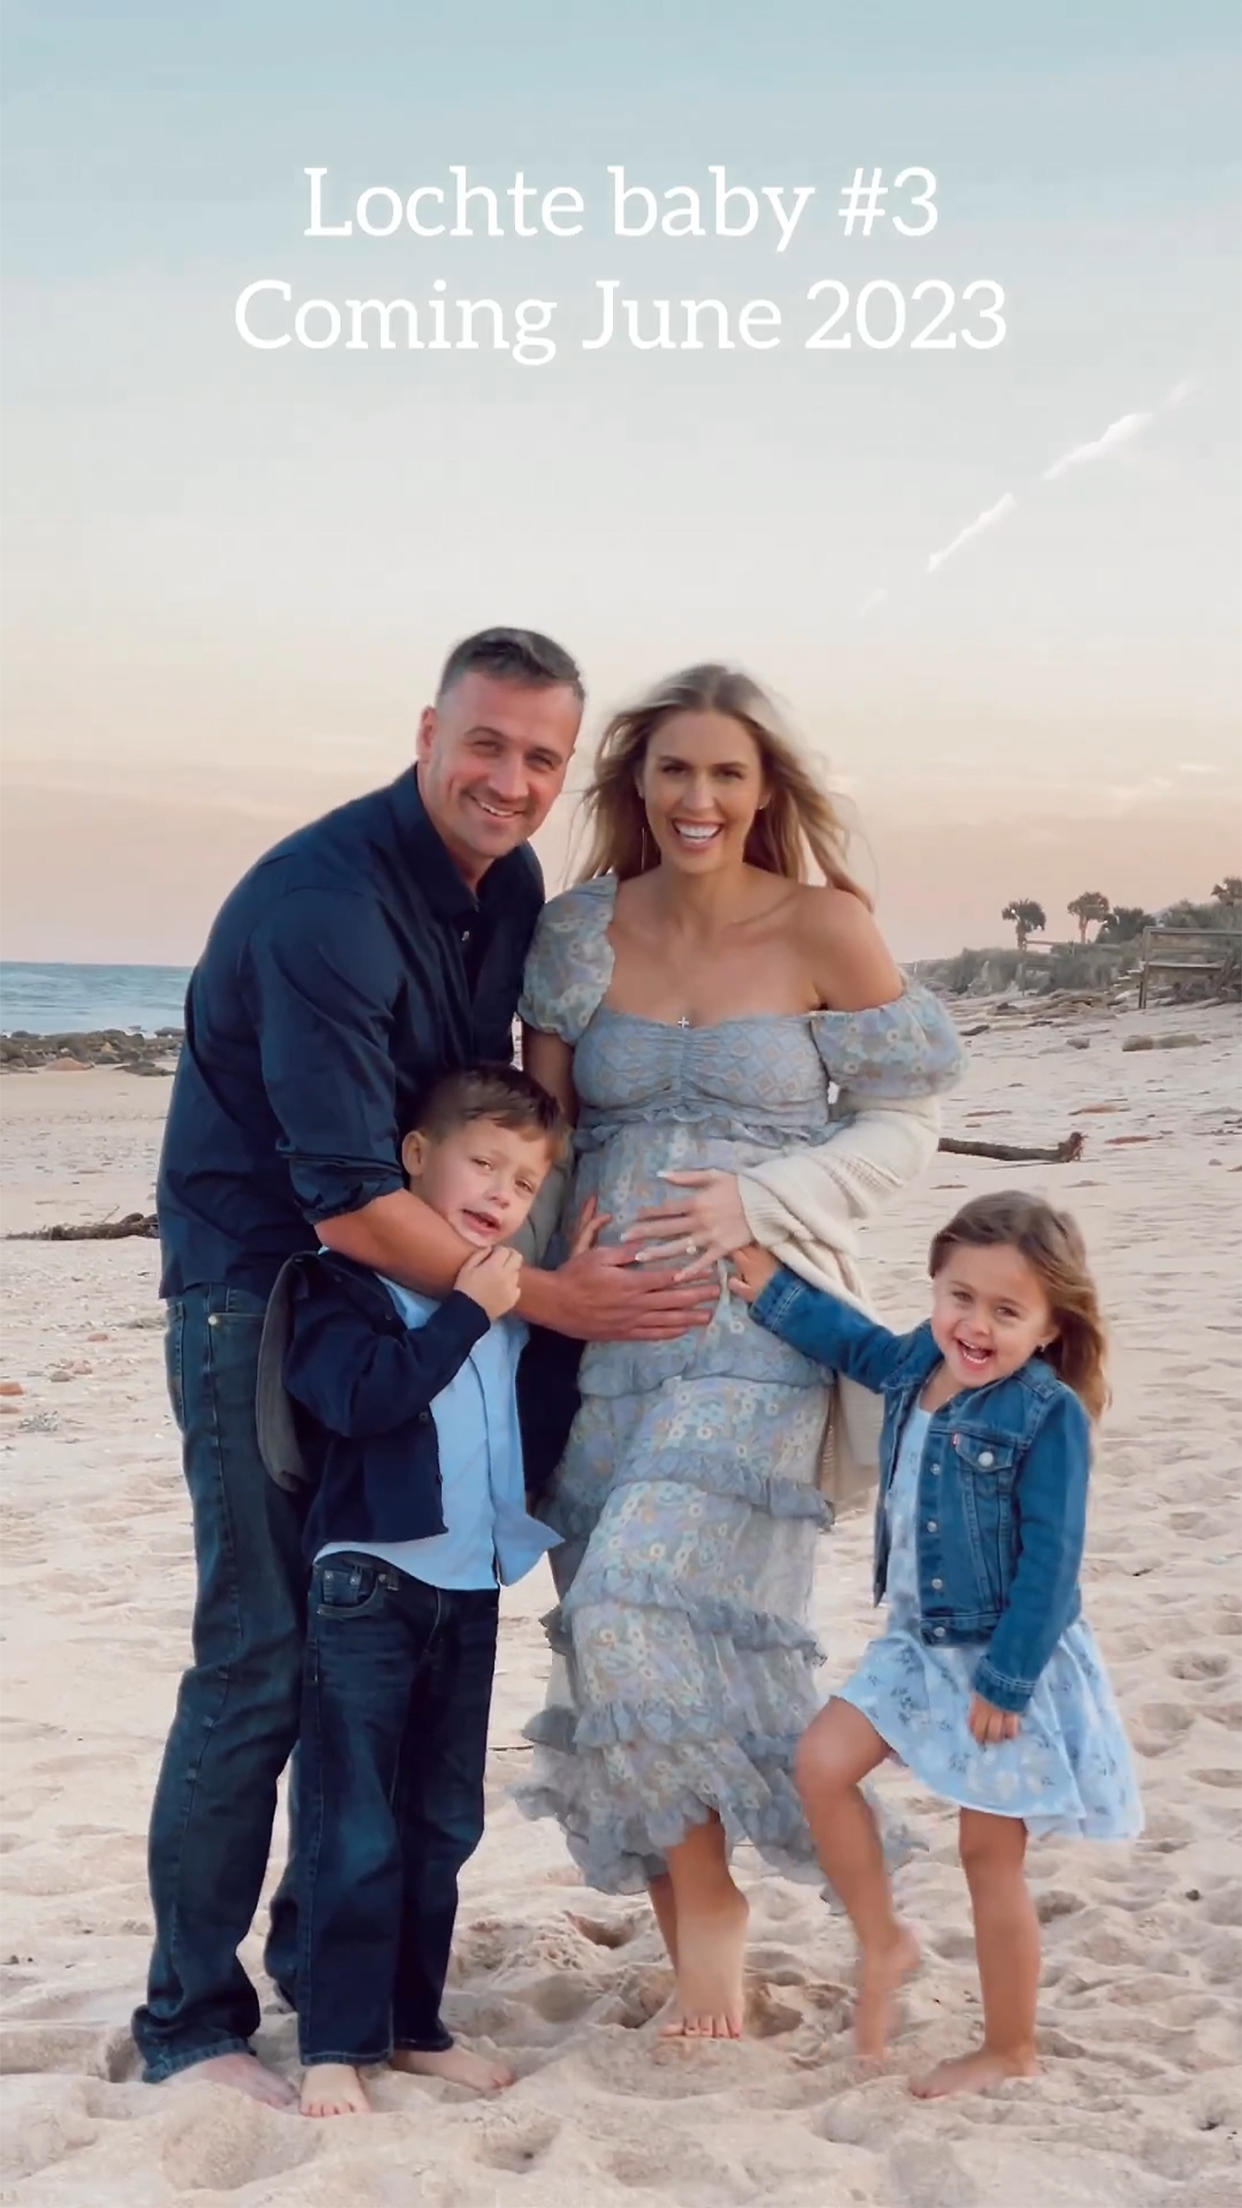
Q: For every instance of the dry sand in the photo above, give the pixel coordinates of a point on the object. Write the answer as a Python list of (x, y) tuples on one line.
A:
[(1139, 2006)]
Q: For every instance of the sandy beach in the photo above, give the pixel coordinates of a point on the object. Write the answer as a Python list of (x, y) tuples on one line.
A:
[(1140, 2001)]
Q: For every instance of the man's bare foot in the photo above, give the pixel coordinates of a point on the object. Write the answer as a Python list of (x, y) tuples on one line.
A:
[(711, 1946), (246, 2074), (974, 2073), (333, 2089), (457, 2064), (881, 1971)]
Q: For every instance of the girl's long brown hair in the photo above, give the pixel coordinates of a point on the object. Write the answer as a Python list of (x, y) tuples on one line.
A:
[(1053, 1248), (799, 823)]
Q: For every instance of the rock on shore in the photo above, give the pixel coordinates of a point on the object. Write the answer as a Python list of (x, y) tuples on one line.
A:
[(127, 1052)]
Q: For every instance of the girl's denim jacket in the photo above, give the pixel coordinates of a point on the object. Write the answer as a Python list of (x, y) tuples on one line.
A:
[(1002, 1495)]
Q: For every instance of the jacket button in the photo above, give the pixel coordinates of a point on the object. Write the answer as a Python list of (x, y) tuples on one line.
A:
[(932, 1527), (939, 1633), (986, 1457), (937, 1585)]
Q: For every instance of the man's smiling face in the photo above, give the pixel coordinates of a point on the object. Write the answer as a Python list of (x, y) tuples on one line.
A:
[(492, 760)]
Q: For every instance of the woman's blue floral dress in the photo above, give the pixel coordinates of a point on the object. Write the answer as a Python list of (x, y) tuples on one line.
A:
[(688, 1497), (1069, 1769)]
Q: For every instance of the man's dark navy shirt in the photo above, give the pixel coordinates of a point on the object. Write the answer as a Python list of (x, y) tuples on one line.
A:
[(347, 971)]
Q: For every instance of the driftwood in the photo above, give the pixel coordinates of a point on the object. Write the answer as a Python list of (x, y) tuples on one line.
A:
[(1062, 1153), (104, 1230)]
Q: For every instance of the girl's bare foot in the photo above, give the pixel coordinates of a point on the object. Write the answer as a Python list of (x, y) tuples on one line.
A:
[(711, 1946), (457, 2064), (333, 2089), (883, 1968), (974, 2073), (246, 2074)]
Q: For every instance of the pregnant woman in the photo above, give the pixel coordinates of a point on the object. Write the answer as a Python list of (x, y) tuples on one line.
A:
[(691, 1003)]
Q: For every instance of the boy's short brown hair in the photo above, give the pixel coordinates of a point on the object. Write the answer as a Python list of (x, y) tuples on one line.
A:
[(497, 1092)]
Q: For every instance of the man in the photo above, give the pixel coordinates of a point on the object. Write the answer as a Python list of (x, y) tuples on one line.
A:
[(361, 958)]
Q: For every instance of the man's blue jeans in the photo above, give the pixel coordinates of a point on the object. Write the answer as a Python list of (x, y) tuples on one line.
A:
[(390, 1784), (237, 1711)]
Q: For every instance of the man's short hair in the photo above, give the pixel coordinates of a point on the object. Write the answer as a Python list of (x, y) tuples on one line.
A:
[(512, 655), (502, 1093)]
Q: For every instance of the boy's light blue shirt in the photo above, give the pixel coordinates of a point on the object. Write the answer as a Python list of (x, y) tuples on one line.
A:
[(489, 1534)]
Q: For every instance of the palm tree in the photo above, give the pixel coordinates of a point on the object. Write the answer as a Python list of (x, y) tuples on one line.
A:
[(1028, 917), (1125, 924), (1092, 905), (1229, 892)]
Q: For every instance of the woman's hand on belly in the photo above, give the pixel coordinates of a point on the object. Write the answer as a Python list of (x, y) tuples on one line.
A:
[(705, 1224)]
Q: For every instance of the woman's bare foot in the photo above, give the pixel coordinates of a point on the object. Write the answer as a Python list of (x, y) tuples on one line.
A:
[(974, 2073), (246, 2074), (457, 2064), (881, 1971), (711, 1946), (333, 2089)]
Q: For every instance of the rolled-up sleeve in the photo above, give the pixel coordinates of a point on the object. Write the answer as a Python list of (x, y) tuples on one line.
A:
[(322, 979)]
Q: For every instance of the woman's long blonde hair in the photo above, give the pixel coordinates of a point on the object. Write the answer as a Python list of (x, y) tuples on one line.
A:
[(798, 823)]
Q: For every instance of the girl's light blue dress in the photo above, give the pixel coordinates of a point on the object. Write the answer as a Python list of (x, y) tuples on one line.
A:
[(1069, 1770)]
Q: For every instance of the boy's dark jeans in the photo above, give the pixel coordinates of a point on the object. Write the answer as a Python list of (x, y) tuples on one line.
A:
[(398, 1688), (237, 1710)]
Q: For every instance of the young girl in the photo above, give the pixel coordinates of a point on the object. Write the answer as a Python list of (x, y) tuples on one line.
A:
[(987, 1684)]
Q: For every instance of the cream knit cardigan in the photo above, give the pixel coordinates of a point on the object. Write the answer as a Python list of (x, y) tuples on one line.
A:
[(806, 1206)]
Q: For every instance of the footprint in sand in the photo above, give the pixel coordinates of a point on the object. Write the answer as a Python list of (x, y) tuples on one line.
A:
[(1058, 1902), (518, 2143), (563, 1999), (602, 1934), (224, 2141), (767, 2018), (1199, 1664)]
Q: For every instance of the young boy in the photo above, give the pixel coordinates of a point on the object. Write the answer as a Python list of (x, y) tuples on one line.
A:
[(407, 1410)]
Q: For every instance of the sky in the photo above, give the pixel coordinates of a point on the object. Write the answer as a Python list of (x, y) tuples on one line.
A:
[(997, 590)]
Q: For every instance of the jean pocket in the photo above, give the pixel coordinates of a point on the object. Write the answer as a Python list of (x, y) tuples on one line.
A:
[(347, 1589)]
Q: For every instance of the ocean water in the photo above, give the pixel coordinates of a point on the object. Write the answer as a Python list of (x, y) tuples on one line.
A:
[(68, 1000)]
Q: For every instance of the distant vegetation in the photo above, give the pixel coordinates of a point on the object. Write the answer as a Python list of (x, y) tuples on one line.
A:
[(1087, 964), (1123, 923)]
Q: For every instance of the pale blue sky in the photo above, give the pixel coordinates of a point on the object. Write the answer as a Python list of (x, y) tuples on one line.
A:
[(231, 575)]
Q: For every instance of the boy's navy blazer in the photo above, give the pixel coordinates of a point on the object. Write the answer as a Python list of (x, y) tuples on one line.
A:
[(344, 1396)]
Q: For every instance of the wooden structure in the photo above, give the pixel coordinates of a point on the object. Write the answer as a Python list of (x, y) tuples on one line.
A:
[(1204, 951)]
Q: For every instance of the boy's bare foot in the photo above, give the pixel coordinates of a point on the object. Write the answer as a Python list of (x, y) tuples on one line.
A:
[(881, 1971), (974, 2073), (480, 2072), (711, 1947), (246, 2074), (333, 2089)]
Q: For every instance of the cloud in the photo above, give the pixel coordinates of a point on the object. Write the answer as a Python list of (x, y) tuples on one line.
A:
[(986, 520), (873, 599), (1128, 797), (1181, 391), (1196, 766), (1120, 432)]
